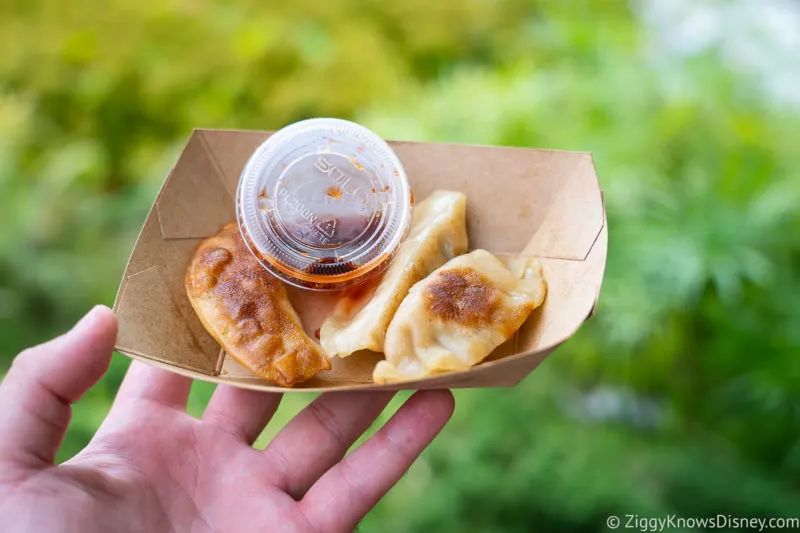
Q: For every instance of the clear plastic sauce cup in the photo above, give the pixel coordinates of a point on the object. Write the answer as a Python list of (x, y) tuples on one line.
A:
[(324, 204)]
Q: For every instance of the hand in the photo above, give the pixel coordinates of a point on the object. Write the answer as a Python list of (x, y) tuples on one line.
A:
[(151, 467)]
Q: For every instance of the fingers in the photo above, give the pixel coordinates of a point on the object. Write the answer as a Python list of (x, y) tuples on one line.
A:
[(145, 383), (320, 435), (341, 498), (43, 381), (144, 388), (241, 412)]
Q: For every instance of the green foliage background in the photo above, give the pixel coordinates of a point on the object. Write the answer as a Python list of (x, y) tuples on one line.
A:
[(681, 396)]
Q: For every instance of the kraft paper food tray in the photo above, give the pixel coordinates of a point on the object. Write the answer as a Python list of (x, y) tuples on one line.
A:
[(543, 203)]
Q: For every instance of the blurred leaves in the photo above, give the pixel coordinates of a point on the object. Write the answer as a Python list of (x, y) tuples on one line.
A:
[(681, 395)]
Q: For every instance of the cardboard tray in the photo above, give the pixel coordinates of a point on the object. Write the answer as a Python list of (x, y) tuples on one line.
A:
[(543, 203)]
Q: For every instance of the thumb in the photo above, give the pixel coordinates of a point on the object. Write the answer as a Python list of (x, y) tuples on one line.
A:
[(43, 382)]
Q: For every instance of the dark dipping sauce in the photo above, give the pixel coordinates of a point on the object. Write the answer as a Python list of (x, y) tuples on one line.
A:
[(324, 204), (329, 269)]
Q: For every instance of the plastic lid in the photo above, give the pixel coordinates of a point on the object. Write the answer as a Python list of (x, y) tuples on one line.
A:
[(324, 203)]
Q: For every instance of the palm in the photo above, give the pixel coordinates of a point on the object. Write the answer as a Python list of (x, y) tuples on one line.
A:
[(152, 467)]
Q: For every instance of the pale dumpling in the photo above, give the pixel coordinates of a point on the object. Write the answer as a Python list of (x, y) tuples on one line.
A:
[(458, 315), (438, 233)]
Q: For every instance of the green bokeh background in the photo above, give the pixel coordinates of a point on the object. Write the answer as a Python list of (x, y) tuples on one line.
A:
[(681, 396)]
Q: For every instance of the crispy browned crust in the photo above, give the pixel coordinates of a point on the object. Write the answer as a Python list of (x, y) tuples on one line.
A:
[(462, 296), (465, 297), (247, 311)]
